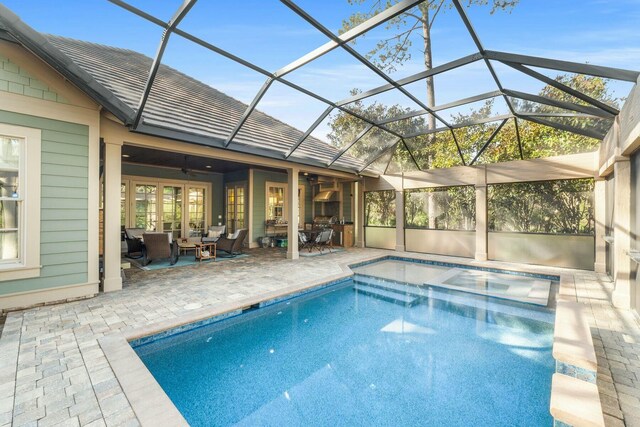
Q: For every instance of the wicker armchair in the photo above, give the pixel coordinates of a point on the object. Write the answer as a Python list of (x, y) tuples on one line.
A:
[(233, 246), (214, 229), (135, 246), (159, 246)]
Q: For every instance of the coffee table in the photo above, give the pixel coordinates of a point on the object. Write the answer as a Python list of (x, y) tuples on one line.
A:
[(205, 247), (183, 247)]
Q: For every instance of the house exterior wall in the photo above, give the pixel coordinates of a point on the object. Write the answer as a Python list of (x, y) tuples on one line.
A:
[(32, 96), (16, 79), (617, 164), (64, 204)]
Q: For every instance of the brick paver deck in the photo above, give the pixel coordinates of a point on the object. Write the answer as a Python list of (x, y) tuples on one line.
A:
[(53, 372)]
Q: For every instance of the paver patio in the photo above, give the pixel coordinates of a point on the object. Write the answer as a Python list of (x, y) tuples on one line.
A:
[(53, 372)]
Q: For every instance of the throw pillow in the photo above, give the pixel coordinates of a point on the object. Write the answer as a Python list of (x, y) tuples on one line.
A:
[(214, 233)]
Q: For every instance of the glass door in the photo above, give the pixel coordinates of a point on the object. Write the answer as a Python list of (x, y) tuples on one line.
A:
[(146, 214), (172, 210), (235, 207)]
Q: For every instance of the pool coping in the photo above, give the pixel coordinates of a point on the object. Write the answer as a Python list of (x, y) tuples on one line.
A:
[(152, 406)]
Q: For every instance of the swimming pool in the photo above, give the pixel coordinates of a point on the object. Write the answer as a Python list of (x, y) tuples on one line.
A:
[(340, 356)]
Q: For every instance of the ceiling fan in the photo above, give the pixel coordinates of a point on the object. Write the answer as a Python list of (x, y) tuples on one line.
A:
[(185, 169)]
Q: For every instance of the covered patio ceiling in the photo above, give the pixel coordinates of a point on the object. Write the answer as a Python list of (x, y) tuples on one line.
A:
[(348, 134), (187, 164)]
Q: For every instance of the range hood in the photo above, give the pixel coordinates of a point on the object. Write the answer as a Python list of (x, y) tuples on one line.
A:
[(325, 196)]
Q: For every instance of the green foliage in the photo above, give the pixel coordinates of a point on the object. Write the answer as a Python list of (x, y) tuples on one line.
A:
[(413, 26), (558, 207), (440, 149), (444, 208), (380, 208)]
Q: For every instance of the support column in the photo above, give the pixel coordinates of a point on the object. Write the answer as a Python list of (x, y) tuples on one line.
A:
[(481, 215), (599, 202), (621, 297), (400, 247), (292, 208), (249, 209), (112, 180), (358, 219)]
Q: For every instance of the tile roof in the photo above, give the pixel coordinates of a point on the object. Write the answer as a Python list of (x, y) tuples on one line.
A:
[(184, 104)]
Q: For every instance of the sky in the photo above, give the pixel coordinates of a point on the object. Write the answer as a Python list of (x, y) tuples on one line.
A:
[(267, 33)]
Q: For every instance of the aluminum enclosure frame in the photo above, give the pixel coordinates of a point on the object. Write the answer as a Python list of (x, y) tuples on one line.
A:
[(521, 63)]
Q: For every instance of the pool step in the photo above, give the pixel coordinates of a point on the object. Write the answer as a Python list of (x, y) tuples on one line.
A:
[(388, 285), (454, 296), (390, 296)]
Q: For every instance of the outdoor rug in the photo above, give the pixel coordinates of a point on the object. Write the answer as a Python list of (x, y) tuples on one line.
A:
[(315, 252), (183, 261)]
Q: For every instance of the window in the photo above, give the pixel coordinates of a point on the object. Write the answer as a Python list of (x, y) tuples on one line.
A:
[(10, 197), (443, 208), (380, 208), (550, 207), (276, 207), (19, 202)]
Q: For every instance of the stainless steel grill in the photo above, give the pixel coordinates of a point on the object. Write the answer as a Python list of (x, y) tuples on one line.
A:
[(324, 221)]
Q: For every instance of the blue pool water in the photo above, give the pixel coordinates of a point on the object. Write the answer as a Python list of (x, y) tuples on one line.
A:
[(342, 357)]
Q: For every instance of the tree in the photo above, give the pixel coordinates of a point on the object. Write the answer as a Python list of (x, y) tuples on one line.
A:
[(412, 26)]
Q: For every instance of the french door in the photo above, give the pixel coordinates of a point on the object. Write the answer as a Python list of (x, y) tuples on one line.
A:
[(172, 209), (172, 206), (235, 202)]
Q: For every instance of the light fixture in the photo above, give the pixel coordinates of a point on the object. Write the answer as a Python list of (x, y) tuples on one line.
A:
[(208, 166), (306, 174), (126, 156)]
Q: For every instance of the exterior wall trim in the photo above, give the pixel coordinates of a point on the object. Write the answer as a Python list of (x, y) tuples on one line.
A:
[(36, 297)]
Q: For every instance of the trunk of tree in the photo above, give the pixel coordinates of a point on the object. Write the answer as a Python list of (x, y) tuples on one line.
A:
[(431, 96), (428, 61)]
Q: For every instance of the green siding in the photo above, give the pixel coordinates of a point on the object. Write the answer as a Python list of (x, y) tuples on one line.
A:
[(63, 204), (15, 79)]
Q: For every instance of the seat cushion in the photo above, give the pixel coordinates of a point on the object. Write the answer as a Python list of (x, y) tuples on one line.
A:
[(214, 233), (134, 233), (217, 228)]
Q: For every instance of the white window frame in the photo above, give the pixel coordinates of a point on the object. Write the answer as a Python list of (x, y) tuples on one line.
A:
[(130, 199), (28, 263), (285, 207)]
